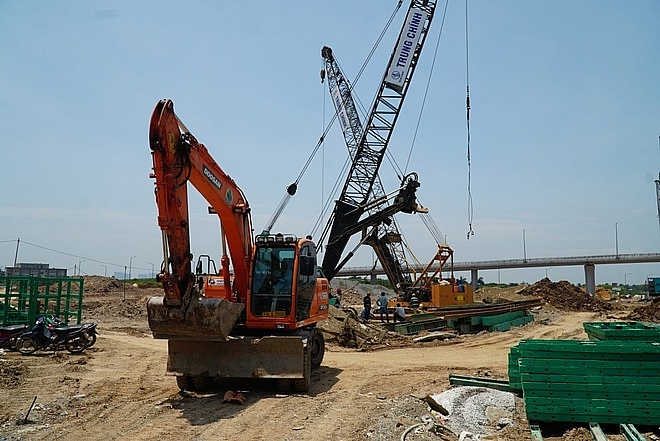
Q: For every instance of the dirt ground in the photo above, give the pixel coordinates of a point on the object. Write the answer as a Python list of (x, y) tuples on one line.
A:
[(118, 388)]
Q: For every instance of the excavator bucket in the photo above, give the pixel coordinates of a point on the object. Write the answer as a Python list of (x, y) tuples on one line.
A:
[(204, 319), (279, 357)]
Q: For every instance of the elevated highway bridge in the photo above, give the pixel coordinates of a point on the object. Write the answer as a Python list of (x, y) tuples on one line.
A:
[(589, 263)]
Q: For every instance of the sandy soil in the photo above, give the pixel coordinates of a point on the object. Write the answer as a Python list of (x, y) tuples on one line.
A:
[(118, 388)]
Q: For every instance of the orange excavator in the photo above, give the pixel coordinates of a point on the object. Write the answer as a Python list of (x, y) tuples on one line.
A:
[(257, 316)]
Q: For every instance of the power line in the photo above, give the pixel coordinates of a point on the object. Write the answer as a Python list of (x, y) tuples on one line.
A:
[(69, 254)]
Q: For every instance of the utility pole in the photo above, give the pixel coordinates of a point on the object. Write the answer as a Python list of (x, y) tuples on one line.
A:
[(18, 242), (657, 188)]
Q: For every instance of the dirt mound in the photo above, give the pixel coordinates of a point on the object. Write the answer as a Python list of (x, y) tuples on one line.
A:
[(649, 313), (100, 284), (565, 296), (120, 308)]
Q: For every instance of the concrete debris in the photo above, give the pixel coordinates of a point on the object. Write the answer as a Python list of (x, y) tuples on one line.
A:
[(467, 408), (349, 330), (437, 335)]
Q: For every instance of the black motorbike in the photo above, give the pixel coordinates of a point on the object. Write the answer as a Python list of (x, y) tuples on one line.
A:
[(88, 328), (43, 337), (9, 335)]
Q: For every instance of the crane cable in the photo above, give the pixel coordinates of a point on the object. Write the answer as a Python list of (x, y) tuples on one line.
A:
[(293, 187), (470, 206)]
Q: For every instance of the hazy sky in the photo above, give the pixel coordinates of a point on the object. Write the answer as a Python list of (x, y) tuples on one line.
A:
[(565, 124)]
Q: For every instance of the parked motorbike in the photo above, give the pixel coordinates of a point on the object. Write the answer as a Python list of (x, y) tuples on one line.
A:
[(43, 337), (9, 335), (88, 328)]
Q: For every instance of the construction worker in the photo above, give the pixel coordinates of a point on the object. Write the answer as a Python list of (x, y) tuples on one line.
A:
[(366, 300), (399, 313), (382, 302)]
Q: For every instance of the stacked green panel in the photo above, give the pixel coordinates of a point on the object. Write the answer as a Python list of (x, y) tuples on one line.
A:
[(24, 298), (515, 381), (420, 325), (622, 331), (493, 323), (590, 381)]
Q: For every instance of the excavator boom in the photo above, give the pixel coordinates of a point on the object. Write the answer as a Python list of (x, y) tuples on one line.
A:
[(178, 158)]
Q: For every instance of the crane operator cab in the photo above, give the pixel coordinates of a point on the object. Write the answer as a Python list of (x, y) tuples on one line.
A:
[(284, 281)]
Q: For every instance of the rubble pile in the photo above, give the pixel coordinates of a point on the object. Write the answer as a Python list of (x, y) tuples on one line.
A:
[(649, 313), (99, 284), (565, 296), (347, 330)]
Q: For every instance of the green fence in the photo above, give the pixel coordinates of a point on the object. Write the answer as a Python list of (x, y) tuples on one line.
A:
[(24, 298)]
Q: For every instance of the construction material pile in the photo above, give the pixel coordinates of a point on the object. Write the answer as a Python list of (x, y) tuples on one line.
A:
[(348, 330), (608, 381), (649, 313), (565, 296)]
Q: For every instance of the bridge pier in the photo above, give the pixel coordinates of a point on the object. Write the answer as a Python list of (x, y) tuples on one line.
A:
[(374, 279), (590, 278), (474, 276)]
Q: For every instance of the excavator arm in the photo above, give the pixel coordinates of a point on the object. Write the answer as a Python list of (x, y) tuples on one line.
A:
[(179, 159)]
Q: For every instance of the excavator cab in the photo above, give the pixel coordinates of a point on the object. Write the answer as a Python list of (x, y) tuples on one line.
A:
[(284, 283)]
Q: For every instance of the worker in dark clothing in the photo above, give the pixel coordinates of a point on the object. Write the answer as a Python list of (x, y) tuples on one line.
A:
[(366, 300)]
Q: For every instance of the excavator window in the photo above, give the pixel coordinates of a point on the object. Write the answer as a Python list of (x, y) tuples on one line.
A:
[(306, 282), (272, 281)]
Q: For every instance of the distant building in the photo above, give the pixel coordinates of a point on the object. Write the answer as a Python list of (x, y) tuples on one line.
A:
[(35, 269)]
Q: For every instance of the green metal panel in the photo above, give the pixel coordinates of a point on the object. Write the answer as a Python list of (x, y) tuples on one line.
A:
[(492, 383), (630, 433), (502, 318), (414, 328), (596, 432), (605, 381), (642, 369), (622, 331), (515, 381), (535, 433), (421, 317), (590, 350), (501, 327), (585, 411), (26, 297)]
